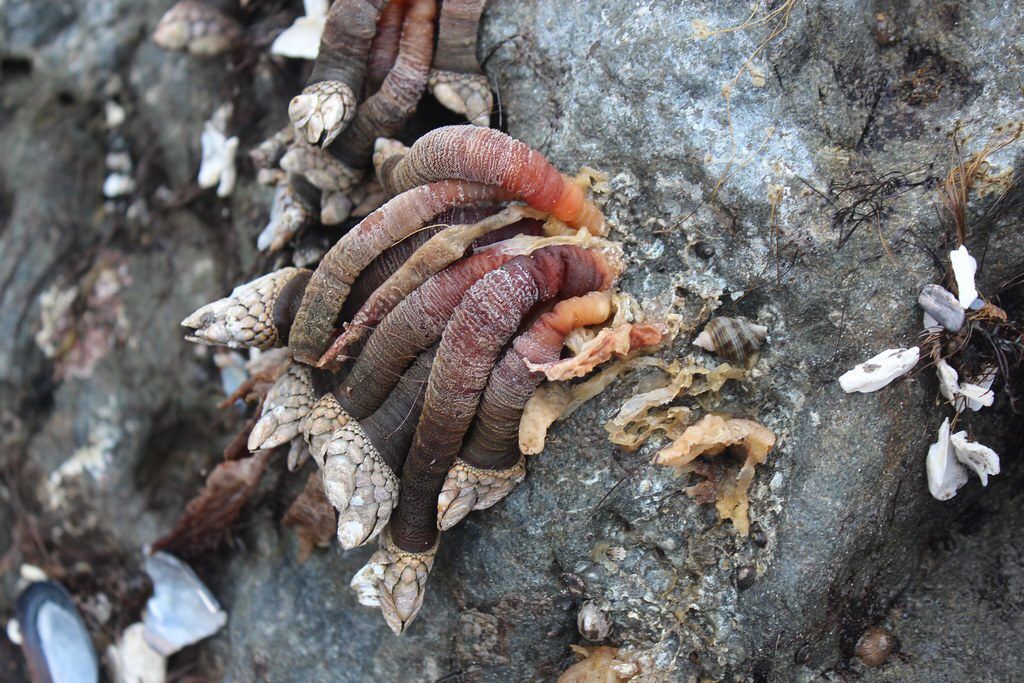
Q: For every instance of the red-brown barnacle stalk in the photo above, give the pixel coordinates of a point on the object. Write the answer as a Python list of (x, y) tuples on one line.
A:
[(397, 219), (490, 464), (328, 102), (361, 460), (284, 409), (386, 112), (384, 48), (456, 79), (258, 314), (416, 323), (484, 321), (440, 251), (489, 156), (196, 27)]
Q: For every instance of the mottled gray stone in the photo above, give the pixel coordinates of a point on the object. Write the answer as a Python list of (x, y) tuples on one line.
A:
[(626, 88)]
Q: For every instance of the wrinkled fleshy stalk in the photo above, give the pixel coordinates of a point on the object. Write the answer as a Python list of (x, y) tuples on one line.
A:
[(456, 79)]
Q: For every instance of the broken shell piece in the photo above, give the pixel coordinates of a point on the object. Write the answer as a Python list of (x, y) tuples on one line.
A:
[(942, 307), (287, 404), (733, 338), (469, 488), (982, 459), (359, 484), (949, 385), (978, 394), (964, 269), (301, 40), (289, 214), (195, 26), (244, 318), (218, 164), (321, 111), (876, 373), (54, 639), (592, 622), (182, 610), (945, 473), (132, 660), (967, 394), (395, 580)]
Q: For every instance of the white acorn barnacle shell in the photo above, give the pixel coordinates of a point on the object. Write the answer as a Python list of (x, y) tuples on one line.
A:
[(592, 622), (735, 339), (877, 372)]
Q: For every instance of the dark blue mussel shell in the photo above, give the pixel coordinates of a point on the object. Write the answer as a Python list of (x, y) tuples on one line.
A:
[(54, 638)]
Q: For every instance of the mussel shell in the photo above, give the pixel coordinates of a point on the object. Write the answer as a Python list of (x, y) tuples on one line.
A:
[(942, 306), (54, 638), (735, 339)]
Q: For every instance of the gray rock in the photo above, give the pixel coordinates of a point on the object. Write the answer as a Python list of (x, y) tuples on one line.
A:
[(781, 203)]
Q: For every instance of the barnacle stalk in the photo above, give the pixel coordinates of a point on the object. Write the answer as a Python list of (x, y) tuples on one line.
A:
[(257, 314), (395, 580), (456, 79)]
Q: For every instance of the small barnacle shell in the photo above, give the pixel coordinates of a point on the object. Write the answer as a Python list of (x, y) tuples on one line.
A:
[(195, 26), (592, 622), (942, 306), (733, 338)]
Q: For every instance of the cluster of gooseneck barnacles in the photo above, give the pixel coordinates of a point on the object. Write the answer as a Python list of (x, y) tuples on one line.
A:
[(376, 58), (411, 360)]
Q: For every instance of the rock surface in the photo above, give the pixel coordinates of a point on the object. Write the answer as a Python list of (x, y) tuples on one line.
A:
[(109, 418)]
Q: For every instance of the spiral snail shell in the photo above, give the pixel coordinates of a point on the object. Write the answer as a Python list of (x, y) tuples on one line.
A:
[(735, 339)]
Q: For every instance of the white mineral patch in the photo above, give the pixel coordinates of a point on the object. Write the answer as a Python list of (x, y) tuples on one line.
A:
[(301, 40), (219, 150), (982, 459), (964, 268), (877, 372), (945, 473)]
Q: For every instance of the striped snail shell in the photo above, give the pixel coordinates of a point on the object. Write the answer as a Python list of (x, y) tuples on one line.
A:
[(733, 338)]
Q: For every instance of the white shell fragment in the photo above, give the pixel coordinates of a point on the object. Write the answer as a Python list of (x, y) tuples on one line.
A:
[(964, 268), (219, 150), (301, 40), (967, 394), (182, 610), (132, 660), (982, 459), (877, 372), (118, 185), (945, 473)]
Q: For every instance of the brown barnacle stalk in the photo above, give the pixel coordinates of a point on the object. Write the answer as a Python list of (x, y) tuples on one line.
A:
[(456, 78), (483, 155), (399, 218), (360, 460), (328, 102), (200, 29), (257, 314), (490, 464), (485, 320), (439, 251), (384, 48)]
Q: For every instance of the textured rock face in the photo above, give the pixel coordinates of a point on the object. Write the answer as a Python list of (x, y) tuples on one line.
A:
[(112, 425)]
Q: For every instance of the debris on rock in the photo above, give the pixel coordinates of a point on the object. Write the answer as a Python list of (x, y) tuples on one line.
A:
[(133, 660), (600, 664), (880, 370), (301, 40), (182, 610), (218, 164)]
